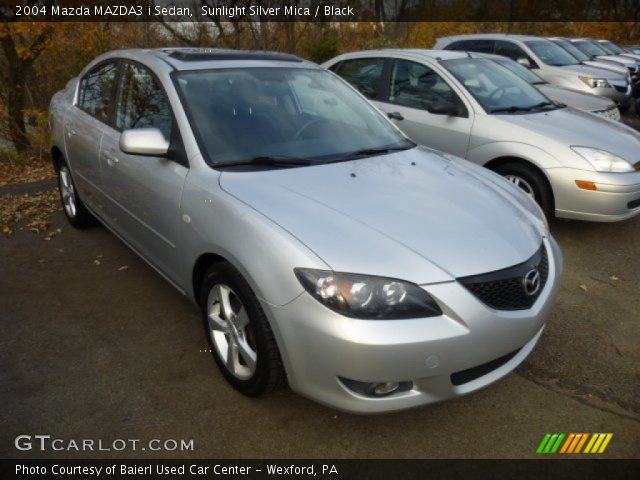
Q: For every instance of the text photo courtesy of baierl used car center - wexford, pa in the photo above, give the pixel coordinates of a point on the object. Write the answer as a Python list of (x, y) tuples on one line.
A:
[(335, 239)]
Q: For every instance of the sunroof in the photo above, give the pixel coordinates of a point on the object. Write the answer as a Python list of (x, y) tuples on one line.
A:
[(200, 55)]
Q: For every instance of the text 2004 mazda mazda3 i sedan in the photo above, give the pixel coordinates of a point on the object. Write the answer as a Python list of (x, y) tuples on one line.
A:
[(323, 247)]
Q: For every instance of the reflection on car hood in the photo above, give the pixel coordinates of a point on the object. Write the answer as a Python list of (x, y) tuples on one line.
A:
[(574, 127), (572, 98), (595, 72), (386, 215)]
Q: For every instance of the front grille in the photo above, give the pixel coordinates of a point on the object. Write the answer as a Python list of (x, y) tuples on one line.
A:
[(505, 289), (470, 374), (621, 88)]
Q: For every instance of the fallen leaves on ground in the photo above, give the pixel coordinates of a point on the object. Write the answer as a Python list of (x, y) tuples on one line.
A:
[(35, 209), (30, 171)]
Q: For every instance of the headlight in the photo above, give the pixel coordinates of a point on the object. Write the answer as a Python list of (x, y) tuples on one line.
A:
[(603, 161), (595, 82), (368, 297)]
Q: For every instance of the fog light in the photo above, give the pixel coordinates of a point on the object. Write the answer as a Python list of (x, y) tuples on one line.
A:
[(376, 389), (385, 388)]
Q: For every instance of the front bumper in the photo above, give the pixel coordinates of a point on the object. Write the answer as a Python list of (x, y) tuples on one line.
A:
[(617, 196), (620, 94), (319, 346)]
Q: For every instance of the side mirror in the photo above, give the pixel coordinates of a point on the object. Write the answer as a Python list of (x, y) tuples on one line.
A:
[(144, 141), (442, 107), (524, 62)]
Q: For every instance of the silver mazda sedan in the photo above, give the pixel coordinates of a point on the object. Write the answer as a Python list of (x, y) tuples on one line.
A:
[(322, 246)]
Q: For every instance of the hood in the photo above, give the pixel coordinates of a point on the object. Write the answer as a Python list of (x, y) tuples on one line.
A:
[(619, 59), (573, 127), (596, 72), (414, 215), (616, 67), (632, 56), (578, 100)]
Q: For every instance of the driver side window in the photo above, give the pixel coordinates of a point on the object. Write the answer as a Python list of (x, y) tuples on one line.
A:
[(417, 86), (142, 102)]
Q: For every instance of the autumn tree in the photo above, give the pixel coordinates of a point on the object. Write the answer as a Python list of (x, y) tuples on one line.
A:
[(22, 44)]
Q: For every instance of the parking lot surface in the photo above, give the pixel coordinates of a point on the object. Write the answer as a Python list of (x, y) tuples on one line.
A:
[(96, 345)]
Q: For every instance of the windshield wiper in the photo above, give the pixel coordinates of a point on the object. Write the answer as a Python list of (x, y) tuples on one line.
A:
[(543, 105), (274, 160), (369, 152), (513, 108)]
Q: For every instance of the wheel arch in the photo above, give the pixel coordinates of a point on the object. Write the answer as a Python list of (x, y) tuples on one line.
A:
[(57, 157), (200, 267), (500, 161)]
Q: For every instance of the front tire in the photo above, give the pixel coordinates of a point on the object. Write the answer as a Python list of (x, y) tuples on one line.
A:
[(241, 339), (75, 211), (532, 182)]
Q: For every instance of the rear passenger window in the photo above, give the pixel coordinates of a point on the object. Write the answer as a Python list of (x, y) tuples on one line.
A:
[(142, 102), (96, 88), (363, 73)]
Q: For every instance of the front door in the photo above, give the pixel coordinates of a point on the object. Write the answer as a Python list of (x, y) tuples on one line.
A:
[(144, 191), (413, 87)]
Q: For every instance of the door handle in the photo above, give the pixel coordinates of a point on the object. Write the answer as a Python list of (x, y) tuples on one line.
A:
[(71, 131), (395, 115), (111, 160)]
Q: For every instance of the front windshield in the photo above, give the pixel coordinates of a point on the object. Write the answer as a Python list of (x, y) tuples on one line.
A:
[(242, 114), (611, 47), (495, 87), (572, 50), (591, 48), (522, 72), (552, 54)]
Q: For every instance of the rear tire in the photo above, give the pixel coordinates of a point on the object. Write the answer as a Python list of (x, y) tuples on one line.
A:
[(532, 182), (241, 339), (75, 211)]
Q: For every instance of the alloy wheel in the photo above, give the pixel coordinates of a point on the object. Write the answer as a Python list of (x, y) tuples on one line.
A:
[(231, 332), (68, 192), (522, 184)]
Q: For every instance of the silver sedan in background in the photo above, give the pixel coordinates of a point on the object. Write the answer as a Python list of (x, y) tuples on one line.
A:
[(582, 101), (322, 246), (576, 165)]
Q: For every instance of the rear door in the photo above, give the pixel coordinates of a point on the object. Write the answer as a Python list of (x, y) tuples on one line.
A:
[(84, 127), (412, 87), (145, 191)]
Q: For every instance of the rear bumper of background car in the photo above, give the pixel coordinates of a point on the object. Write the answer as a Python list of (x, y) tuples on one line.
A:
[(469, 347)]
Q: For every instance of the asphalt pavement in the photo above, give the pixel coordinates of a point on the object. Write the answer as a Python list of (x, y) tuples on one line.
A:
[(96, 345)]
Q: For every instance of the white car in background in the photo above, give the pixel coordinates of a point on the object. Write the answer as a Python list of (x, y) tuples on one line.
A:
[(575, 164)]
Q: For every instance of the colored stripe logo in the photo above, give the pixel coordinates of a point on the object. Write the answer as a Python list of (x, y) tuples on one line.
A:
[(574, 443)]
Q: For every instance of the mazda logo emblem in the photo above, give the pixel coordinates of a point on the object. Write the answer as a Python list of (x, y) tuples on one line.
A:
[(531, 282)]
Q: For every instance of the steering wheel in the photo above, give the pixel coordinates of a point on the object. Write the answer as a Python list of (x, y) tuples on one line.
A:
[(304, 127), (494, 95)]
